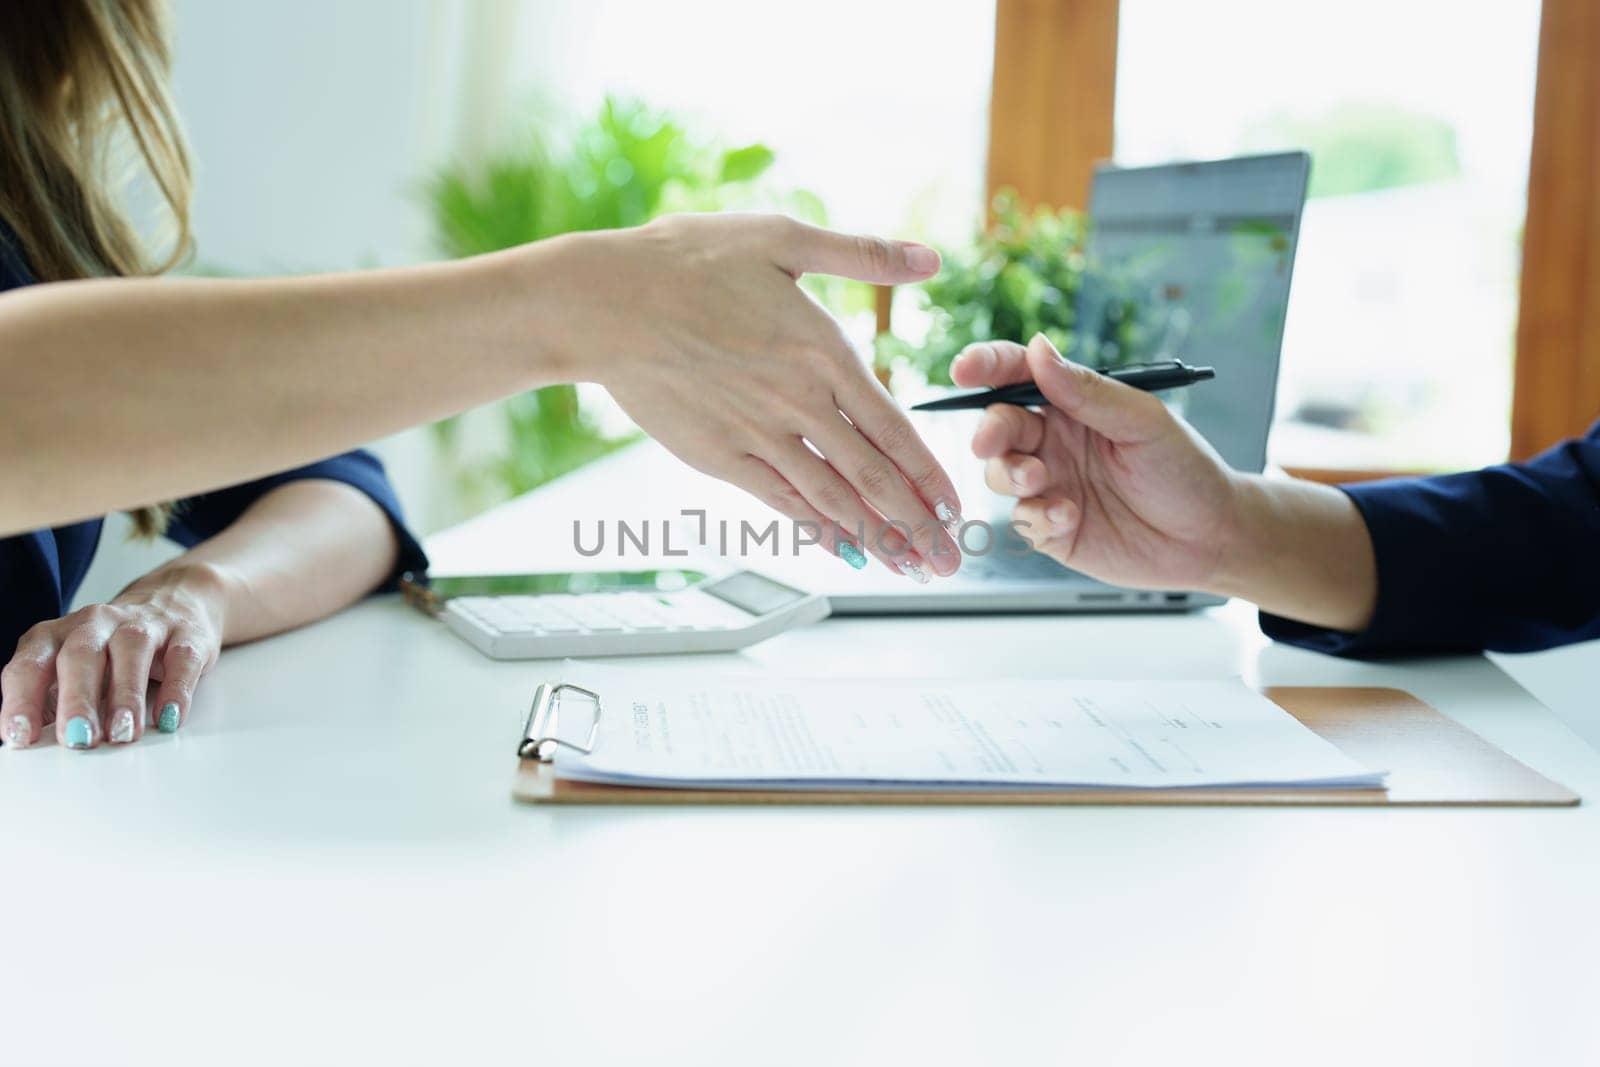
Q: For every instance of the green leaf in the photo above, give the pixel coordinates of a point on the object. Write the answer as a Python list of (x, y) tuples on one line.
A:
[(747, 163)]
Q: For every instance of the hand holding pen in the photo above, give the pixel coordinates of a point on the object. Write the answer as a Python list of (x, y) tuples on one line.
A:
[(1107, 479)]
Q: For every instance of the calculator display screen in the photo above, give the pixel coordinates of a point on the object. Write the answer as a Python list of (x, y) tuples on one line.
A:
[(753, 593)]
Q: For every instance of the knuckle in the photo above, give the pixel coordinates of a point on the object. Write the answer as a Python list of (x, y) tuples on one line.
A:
[(669, 224), (874, 254), (874, 480), (1092, 389), (997, 478), (186, 655), (82, 642), (897, 437), (39, 635), (127, 695), (1011, 422), (784, 498), (179, 686), (137, 633), (98, 613), (832, 500), (995, 420), (794, 406), (21, 670), (930, 478)]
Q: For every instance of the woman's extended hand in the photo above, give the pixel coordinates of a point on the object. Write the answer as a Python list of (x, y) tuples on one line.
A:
[(90, 671), (713, 349), (1110, 482)]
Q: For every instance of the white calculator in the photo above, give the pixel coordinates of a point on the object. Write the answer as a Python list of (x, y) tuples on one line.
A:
[(713, 615)]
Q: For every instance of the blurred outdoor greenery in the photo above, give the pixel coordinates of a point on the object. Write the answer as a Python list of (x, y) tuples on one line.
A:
[(1028, 272), (620, 167), (1361, 147)]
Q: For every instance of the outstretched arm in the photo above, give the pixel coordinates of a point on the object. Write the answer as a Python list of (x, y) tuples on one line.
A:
[(121, 393)]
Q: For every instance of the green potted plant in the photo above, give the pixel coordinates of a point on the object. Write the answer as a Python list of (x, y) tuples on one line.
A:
[(1030, 272)]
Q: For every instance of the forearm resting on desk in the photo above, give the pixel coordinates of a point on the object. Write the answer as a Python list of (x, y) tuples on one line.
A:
[(301, 552)]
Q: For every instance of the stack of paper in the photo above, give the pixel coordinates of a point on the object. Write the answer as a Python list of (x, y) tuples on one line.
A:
[(671, 730)]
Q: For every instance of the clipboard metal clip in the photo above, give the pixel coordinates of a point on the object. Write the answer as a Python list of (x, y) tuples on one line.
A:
[(540, 735)]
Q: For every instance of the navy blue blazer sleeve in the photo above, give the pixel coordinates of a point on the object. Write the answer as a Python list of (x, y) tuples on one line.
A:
[(1505, 559), (200, 517)]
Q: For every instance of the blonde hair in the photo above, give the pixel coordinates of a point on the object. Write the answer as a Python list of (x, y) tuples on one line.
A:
[(83, 82)]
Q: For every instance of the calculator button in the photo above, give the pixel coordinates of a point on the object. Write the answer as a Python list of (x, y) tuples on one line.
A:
[(591, 619)]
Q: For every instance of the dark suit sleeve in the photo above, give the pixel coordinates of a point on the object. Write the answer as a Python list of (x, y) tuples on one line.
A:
[(1505, 559), (200, 517)]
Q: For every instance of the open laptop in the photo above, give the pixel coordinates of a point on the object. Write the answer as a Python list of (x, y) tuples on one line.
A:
[(1217, 241)]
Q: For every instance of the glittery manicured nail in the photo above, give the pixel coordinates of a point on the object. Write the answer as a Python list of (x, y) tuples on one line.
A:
[(947, 515), (80, 733), (913, 570), (19, 731), (852, 555), (167, 721), (121, 726)]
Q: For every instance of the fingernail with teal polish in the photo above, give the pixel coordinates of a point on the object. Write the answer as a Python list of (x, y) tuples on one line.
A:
[(167, 721), (852, 555), (80, 734)]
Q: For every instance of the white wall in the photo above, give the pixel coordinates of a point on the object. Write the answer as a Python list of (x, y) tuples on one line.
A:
[(310, 123)]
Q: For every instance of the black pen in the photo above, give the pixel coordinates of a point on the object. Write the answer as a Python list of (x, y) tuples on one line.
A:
[(1150, 377)]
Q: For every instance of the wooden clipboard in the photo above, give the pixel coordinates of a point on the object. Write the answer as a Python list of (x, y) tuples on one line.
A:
[(1432, 760)]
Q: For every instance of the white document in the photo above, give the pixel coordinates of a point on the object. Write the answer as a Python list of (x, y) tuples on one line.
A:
[(669, 729)]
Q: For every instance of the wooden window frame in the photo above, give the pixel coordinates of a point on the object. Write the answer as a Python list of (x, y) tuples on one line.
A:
[(1556, 385), (1051, 119)]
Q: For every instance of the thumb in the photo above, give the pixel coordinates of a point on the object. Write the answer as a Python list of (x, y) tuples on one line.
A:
[(1117, 412), (814, 250)]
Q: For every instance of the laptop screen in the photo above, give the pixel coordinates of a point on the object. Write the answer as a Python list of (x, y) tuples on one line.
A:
[(1206, 250)]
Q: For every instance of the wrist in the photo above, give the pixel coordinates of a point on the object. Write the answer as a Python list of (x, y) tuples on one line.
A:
[(564, 277), (1299, 550), (1247, 539), (205, 585)]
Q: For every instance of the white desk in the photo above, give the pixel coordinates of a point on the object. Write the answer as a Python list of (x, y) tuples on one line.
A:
[(325, 867)]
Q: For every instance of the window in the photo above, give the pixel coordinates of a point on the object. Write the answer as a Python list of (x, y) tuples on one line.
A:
[(1401, 330), (878, 108)]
